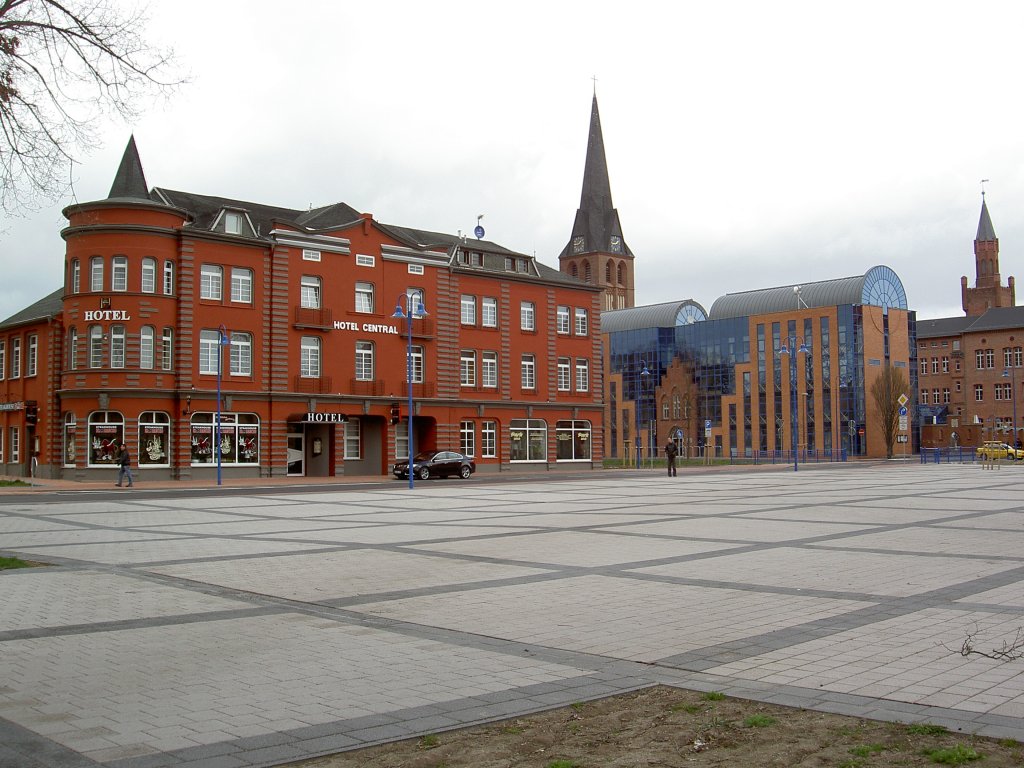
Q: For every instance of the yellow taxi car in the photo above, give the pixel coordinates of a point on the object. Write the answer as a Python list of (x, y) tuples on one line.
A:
[(993, 449)]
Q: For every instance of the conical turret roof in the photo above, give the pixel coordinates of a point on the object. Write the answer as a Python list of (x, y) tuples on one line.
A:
[(130, 181)]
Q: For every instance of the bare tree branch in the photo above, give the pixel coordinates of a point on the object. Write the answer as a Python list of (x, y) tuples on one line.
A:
[(65, 64), (1008, 652)]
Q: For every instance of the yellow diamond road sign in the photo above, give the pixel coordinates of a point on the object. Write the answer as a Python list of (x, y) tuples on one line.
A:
[(902, 399)]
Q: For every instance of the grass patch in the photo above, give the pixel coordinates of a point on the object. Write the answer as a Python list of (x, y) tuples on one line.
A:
[(429, 741), (866, 750), (958, 755), (13, 483), (927, 729), (690, 709), (1009, 743), (6, 563), (512, 730), (562, 764), (713, 696), (759, 721)]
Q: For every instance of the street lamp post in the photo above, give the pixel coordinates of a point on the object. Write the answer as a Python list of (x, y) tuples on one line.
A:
[(641, 377), (413, 311), (793, 351), (223, 339), (1013, 395)]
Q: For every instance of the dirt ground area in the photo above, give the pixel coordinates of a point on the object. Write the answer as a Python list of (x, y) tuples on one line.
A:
[(667, 727)]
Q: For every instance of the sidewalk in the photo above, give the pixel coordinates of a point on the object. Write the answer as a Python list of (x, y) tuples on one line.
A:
[(251, 630)]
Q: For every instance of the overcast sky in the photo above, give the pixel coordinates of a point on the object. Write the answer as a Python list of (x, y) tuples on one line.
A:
[(749, 144)]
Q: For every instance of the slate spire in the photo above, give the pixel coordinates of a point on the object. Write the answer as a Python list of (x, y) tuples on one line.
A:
[(986, 232), (130, 181)]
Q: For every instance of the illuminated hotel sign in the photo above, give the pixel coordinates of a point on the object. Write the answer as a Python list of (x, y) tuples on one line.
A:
[(326, 418), (341, 325)]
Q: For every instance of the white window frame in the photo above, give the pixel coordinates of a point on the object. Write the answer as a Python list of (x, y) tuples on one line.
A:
[(16, 358), (310, 291), (528, 372), (96, 273), (402, 439), (467, 438), (31, 354), (240, 354), (76, 276), (564, 374), (353, 440), (72, 348), (563, 322), (168, 278), (489, 312), (365, 298), (3, 359), (119, 274), (211, 282), (15, 445), (147, 278), (233, 222), (364, 260), (582, 325), (147, 341), (310, 357), (365, 354), (241, 285), (167, 349), (467, 368), (209, 348), (527, 316), (582, 374), (417, 365), (95, 346), (488, 439), (489, 369), (468, 310), (310, 254)]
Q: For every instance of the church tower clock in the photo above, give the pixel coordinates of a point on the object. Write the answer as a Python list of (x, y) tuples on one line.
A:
[(597, 252)]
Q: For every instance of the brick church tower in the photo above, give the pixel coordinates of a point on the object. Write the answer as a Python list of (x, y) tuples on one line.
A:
[(597, 252), (988, 290)]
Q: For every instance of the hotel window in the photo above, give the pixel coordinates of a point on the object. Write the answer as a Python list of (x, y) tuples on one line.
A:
[(72, 348), (15, 358), (96, 273), (364, 361), (489, 369), (95, 346), (467, 438), (990, 358), (979, 392), (33, 353), (309, 292), (945, 365), (564, 374), (489, 312), (582, 322), (935, 365), (233, 223), (364, 297), (117, 346), (168, 278), (924, 366), (924, 397), (309, 364), (528, 377), (402, 439), (945, 395), (935, 395), (211, 279), (241, 354), (582, 374), (468, 310), (149, 275), (146, 342), (15, 445), (209, 346), (119, 273), (417, 365), (467, 368), (562, 319), (527, 316), (167, 350), (353, 443), (76, 276), (310, 254), (362, 260), (488, 439), (414, 297), (241, 285)]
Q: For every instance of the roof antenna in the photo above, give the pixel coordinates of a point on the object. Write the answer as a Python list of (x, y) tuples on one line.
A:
[(594, 78), (983, 183), (799, 298)]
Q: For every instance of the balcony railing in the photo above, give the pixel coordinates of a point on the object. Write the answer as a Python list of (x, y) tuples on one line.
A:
[(313, 386), (373, 388), (424, 389), (314, 318)]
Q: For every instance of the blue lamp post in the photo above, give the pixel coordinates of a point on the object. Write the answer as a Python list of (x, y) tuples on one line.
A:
[(641, 378), (223, 340), (413, 311), (1009, 372), (785, 350)]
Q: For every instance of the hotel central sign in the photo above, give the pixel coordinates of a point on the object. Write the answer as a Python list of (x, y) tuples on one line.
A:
[(342, 325)]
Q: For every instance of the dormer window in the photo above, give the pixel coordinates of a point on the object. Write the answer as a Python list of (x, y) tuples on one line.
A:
[(232, 223)]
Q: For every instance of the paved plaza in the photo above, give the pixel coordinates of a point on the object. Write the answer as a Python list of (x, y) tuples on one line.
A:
[(227, 630)]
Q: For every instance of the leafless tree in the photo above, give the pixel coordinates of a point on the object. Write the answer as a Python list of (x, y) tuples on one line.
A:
[(1010, 651), (63, 66), (886, 390)]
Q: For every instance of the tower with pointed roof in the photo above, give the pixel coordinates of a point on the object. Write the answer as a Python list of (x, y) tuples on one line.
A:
[(988, 290), (597, 252)]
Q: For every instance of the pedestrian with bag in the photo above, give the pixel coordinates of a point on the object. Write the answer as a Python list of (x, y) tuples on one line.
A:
[(124, 460), (671, 452)]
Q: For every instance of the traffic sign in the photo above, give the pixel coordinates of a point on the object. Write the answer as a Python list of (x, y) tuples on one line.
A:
[(903, 410), (902, 399)]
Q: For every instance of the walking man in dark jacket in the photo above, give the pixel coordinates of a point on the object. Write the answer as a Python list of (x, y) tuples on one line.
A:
[(671, 451), (124, 460)]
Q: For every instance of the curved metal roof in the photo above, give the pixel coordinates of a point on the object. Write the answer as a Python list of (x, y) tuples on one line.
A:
[(666, 315), (879, 286)]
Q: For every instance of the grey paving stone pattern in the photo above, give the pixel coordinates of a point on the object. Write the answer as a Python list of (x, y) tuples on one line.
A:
[(229, 631)]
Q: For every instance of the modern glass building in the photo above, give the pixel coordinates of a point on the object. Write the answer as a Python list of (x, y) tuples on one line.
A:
[(763, 371)]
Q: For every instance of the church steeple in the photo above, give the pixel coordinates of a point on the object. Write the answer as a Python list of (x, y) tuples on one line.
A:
[(988, 290), (597, 252), (130, 181)]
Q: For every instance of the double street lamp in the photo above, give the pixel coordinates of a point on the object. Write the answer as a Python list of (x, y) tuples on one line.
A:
[(413, 311), (223, 340), (792, 351), (641, 378)]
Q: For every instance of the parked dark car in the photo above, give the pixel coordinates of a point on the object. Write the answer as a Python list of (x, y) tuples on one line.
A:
[(436, 464)]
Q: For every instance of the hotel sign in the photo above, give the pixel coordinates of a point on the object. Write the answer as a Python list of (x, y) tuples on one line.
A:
[(326, 418), (341, 325), (18, 406), (92, 315)]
